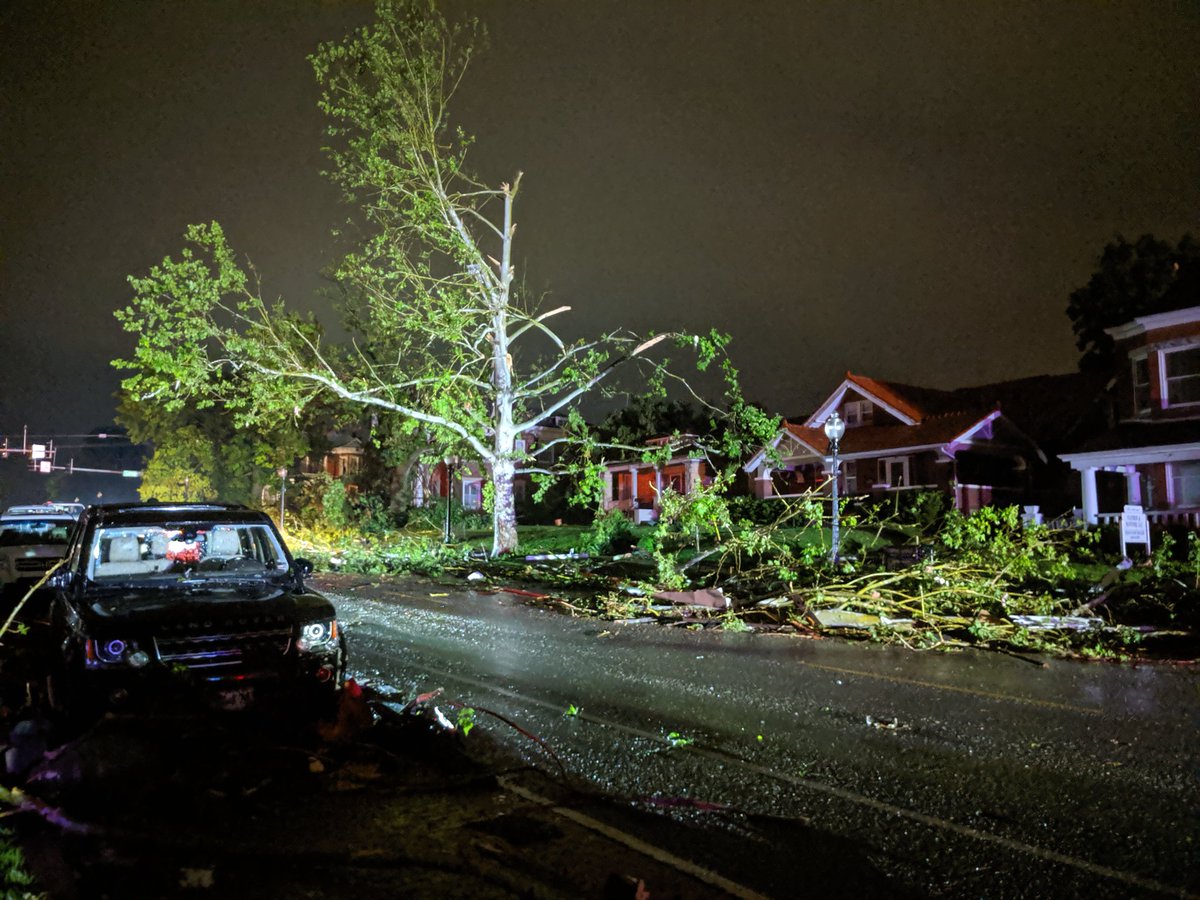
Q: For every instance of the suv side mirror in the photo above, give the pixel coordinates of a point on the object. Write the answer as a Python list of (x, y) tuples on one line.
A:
[(303, 567), (60, 580)]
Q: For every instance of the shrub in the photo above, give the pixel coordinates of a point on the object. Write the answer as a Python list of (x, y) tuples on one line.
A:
[(432, 517), (611, 532), (754, 509)]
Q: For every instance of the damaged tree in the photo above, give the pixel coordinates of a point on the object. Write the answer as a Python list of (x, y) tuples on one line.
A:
[(441, 337)]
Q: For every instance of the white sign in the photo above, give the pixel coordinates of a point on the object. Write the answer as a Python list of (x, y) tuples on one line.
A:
[(37, 451), (1135, 528)]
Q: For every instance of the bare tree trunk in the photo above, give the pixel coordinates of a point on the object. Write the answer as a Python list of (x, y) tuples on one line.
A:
[(504, 510)]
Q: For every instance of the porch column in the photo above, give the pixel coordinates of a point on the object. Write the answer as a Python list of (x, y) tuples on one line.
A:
[(763, 485), (691, 476), (609, 478), (657, 486), (1133, 486), (1091, 504)]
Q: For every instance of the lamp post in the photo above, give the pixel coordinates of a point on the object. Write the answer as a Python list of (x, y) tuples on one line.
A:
[(282, 473), (834, 429), (451, 462)]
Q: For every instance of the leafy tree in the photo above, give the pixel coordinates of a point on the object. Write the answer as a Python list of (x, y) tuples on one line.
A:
[(649, 416), (441, 335), (201, 453), (175, 472), (1131, 279)]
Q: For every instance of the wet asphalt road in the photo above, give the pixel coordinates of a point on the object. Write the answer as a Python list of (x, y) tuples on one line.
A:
[(970, 774)]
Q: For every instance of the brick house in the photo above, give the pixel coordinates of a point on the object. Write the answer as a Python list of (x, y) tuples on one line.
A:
[(635, 487), (466, 481), (342, 460), (1151, 455), (901, 438)]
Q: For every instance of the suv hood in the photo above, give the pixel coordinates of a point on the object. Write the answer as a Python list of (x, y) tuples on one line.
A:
[(200, 604)]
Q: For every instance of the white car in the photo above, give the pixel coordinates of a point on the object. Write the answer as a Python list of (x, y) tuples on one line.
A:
[(32, 539)]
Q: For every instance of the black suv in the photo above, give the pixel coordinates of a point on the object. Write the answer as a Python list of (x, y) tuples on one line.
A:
[(202, 601)]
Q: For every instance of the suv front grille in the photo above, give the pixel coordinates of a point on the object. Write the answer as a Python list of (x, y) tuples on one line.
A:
[(223, 648)]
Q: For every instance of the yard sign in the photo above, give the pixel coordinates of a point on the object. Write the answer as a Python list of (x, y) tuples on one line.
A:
[(1135, 528)]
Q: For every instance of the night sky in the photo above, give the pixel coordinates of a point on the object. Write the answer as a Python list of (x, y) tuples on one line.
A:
[(908, 190)]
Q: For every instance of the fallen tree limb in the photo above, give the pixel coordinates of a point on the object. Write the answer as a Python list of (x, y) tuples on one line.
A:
[(20, 801)]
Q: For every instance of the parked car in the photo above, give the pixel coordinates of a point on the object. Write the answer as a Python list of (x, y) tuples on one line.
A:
[(166, 603), (72, 508), (32, 540)]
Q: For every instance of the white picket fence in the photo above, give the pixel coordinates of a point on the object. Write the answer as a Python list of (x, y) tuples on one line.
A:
[(1160, 517)]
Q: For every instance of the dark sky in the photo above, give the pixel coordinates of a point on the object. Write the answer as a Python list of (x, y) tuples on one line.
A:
[(908, 190)]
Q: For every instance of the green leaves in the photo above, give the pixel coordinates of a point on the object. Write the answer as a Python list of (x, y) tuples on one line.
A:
[(438, 330)]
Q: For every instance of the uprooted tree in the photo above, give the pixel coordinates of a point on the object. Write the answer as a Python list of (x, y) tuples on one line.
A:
[(439, 333)]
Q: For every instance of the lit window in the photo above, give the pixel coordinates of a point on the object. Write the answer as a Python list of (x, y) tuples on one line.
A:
[(1182, 368), (1185, 484), (850, 474)]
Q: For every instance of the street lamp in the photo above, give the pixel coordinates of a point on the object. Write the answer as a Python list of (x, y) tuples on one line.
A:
[(282, 473), (451, 463), (834, 429)]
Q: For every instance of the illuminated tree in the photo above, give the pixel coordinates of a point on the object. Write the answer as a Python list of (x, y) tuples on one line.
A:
[(441, 336), (200, 454)]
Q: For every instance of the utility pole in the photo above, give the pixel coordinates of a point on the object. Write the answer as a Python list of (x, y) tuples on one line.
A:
[(282, 473)]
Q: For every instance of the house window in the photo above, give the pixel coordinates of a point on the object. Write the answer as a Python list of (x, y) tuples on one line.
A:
[(622, 486), (1185, 484), (850, 476), (519, 445), (1182, 370), (1141, 385), (472, 495), (892, 472), (857, 412)]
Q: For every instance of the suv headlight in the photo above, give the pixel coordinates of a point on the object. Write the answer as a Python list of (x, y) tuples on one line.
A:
[(317, 635), (115, 652)]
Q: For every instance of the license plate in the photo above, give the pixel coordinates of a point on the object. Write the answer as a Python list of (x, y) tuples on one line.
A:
[(235, 698)]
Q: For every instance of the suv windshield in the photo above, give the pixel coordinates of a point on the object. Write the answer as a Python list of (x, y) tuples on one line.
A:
[(19, 532), (195, 549)]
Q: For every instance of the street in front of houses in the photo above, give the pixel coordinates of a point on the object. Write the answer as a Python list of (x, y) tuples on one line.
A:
[(939, 774)]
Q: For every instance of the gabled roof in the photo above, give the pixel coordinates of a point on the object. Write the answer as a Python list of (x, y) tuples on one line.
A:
[(947, 433), (935, 431), (1049, 408), (908, 403)]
